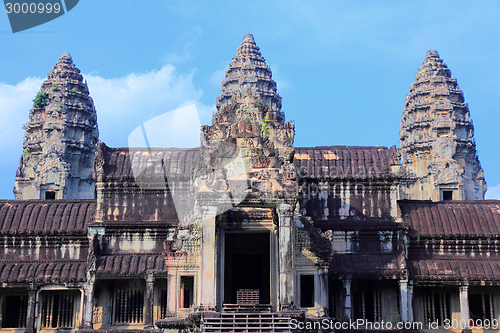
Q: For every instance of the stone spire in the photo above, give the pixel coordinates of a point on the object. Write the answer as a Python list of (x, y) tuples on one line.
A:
[(438, 151), (248, 73), (60, 139), (249, 142)]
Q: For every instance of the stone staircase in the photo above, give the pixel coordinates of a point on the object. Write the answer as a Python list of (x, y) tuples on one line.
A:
[(247, 318)]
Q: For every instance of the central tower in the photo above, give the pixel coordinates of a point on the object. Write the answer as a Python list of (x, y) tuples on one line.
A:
[(250, 182)]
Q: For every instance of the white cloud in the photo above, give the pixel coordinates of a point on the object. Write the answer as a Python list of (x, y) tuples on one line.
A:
[(493, 192), (217, 77), (15, 103), (178, 128), (281, 83), (187, 43), (124, 103)]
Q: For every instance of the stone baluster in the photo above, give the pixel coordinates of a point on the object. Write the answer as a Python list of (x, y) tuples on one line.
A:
[(347, 299)]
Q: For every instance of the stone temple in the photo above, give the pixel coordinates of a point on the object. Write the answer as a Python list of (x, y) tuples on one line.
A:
[(248, 233)]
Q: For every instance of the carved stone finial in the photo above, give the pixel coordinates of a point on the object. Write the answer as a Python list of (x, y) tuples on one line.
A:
[(66, 56), (431, 54)]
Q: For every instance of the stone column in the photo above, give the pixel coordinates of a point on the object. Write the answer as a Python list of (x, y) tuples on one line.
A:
[(403, 300), (88, 302), (410, 302), (464, 307), (148, 314), (30, 318), (172, 295), (321, 292), (208, 269), (347, 299), (286, 257)]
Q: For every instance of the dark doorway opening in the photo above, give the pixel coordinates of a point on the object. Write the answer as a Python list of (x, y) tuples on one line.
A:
[(187, 291), (246, 265), (307, 291), (14, 312)]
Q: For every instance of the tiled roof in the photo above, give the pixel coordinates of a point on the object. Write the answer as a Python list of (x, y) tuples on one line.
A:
[(359, 265), (455, 269), (55, 272), (153, 162), (336, 162), (344, 162), (46, 216), (131, 264), (465, 218)]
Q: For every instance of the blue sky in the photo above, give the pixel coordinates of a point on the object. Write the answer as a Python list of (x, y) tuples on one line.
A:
[(343, 68)]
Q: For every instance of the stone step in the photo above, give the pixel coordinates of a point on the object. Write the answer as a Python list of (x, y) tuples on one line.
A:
[(247, 322), (246, 308)]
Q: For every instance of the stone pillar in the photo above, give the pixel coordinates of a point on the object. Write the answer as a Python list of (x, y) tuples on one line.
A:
[(464, 307), (88, 302), (172, 295), (403, 300), (30, 318), (286, 257), (321, 292), (347, 299), (410, 302), (148, 314), (208, 269)]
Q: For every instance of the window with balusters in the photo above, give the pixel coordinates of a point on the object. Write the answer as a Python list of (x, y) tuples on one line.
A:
[(58, 309), (162, 293), (367, 304), (481, 307), (14, 311), (129, 306), (436, 307)]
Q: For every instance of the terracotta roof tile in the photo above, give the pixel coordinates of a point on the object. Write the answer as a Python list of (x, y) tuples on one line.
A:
[(127, 265), (152, 162), (46, 216), (344, 162), (455, 269), (466, 218), (367, 265), (57, 271)]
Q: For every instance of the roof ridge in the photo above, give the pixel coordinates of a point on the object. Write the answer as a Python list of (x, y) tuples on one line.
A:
[(48, 201), (342, 146)]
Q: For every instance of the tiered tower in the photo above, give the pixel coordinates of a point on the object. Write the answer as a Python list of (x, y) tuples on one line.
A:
[(248, 159), (60, 139), (438, 152), (248, 71), (249, 126)]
